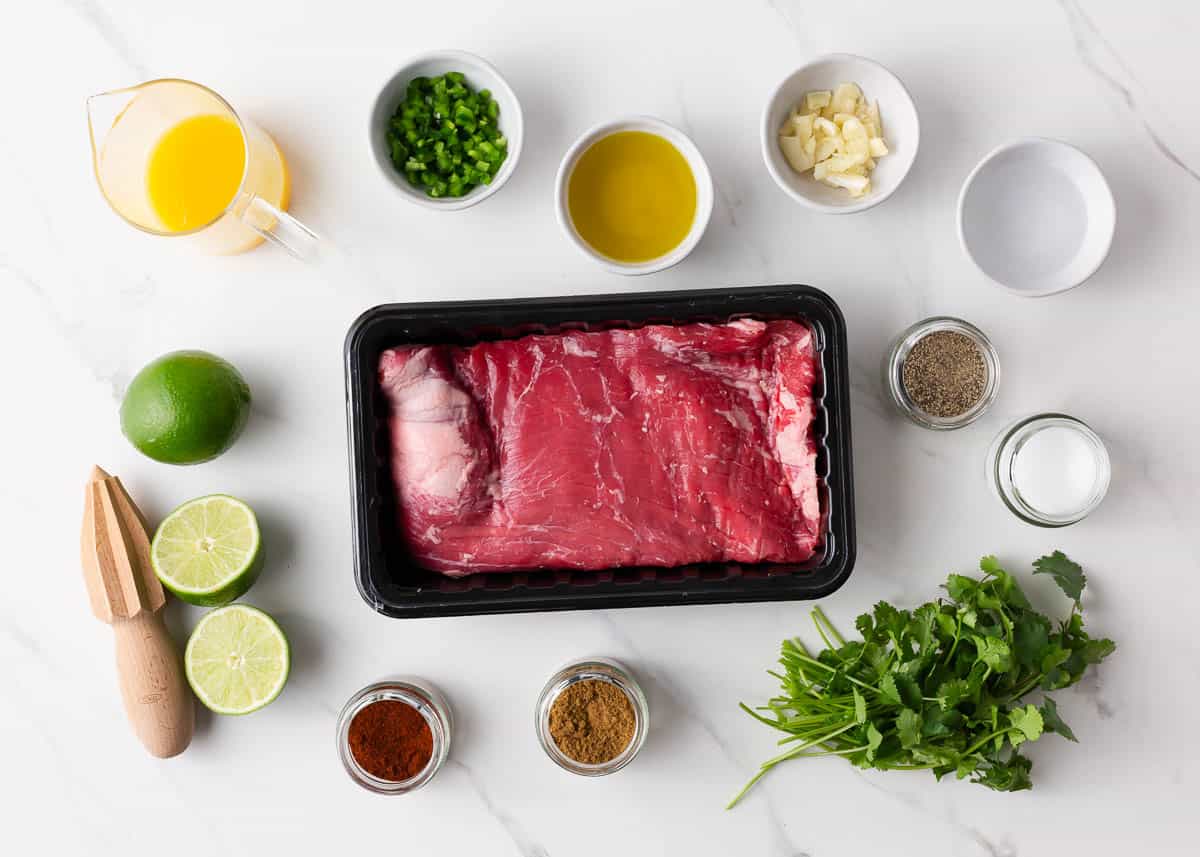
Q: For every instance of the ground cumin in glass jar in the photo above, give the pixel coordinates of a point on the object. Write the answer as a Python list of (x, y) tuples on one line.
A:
[(393, 736), (592, 717)]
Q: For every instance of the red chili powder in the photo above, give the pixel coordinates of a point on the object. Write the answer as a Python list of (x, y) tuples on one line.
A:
[(390, 740)]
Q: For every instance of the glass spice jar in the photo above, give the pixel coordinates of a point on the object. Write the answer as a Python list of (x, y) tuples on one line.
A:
[(1050, 470), (898, 353), (597, 669), (427, 701)]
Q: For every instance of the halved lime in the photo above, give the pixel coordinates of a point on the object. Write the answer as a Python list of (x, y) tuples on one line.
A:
[(237, 659), (208, 551)]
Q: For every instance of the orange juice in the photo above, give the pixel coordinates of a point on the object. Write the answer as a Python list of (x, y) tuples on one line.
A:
[(194, 171), (196, 168)]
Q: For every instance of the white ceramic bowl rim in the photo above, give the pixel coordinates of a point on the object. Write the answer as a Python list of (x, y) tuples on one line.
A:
[(696, 162), (769, 129), (1106, 200), (512, 123)]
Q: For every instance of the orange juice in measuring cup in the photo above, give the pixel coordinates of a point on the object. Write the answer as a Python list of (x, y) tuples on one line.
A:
[(174, 159)]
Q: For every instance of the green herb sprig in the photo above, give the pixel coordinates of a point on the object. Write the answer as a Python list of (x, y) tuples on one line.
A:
[(445, 137), (939, 688)]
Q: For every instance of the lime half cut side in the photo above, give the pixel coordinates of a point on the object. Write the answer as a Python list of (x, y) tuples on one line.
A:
[(208, 551), (237, 659)]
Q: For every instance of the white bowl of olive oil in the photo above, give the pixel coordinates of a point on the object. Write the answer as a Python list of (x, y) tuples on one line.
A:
[(634, 194)]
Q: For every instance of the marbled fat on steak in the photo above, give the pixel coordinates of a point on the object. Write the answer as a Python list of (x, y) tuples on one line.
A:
[(661, 446)]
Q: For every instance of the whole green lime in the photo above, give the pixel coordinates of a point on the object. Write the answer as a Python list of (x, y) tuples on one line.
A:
[(185, 407)]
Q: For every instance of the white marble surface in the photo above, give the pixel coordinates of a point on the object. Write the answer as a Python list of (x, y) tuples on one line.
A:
[(84, 302)]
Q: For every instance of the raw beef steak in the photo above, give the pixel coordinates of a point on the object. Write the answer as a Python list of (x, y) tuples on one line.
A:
[(661, 446)]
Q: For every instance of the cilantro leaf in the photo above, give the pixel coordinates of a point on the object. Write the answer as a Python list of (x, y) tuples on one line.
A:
[(865, 626), (1028, 723), (1094, 651), (1054, 723), (961, 588), (1068, 575), (994, 652), (966, 766), (1031, 635), (951, 694), (874, 739), (860, 707), (908, 727), (1008, 776), (889, 691)]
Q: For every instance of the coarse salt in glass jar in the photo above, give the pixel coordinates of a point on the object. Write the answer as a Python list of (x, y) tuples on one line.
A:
[(427, 702), (1050, 470)]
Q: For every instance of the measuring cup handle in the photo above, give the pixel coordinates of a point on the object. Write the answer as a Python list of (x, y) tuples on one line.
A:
[(280, 228)]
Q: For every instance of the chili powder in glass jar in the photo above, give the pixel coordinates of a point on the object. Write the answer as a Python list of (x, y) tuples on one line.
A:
[(394, 735)]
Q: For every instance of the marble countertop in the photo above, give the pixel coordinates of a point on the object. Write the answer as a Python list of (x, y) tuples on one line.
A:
[(85, 301)]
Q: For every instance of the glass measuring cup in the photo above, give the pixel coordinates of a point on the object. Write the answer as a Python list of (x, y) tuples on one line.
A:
[(129, 128)]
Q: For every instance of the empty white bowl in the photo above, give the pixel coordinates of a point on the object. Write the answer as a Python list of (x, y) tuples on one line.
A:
[(480, 75), (897, 113), (1036, 216), (681, 141)]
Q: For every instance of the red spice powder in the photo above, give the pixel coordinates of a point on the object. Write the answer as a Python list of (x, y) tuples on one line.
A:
[(390, 740)]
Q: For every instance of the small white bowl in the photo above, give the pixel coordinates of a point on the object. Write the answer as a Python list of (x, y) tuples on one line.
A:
[(704, 191), (897, 112), (480, 75), (1036, 216)]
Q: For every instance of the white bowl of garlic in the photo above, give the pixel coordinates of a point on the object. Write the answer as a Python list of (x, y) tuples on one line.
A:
[(840, 133)]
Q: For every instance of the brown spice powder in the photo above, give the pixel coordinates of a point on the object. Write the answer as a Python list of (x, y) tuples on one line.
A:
[(944, 374), (592, 721)]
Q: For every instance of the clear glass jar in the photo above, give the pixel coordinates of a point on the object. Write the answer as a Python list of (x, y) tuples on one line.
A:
[(1002, 464), (893, 372), (599, 669), (428, 702)]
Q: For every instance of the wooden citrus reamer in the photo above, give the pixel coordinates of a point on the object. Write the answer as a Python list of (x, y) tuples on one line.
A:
[(126, 594)]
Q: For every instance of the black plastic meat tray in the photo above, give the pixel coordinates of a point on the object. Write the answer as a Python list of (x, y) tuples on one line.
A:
[(395, 585)]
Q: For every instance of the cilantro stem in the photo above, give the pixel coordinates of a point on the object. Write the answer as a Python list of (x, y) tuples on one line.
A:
[(762, 772), (1029, 685), (985, 739), (817, 663), (819, 617), (796, 751)]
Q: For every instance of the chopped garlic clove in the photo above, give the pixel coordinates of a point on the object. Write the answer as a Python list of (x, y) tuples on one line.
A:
[(793, 149), (826, 148), (803, 125), (825, 126), (846, 97), (857, 185), (814, 101)]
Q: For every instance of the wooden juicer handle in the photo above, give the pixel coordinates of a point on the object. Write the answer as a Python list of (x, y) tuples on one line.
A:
[(157, 700)]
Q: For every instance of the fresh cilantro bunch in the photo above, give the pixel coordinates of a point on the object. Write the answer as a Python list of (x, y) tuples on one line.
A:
[(938, 688)]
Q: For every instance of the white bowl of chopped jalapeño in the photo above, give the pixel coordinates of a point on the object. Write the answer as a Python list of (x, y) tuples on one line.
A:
[(446, 130)]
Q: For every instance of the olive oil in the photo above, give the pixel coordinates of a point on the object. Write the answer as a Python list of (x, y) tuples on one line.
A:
[(632, 196)]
